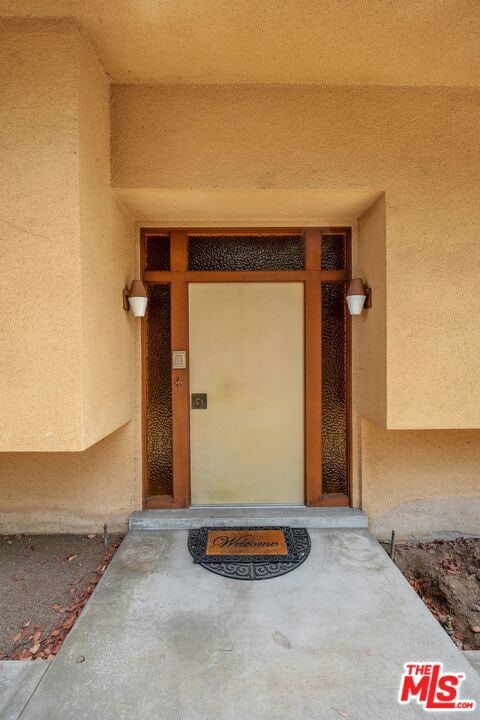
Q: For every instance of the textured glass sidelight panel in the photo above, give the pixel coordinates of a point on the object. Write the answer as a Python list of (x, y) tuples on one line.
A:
[(334, 252), (157, 252), (246, 252), (334, 389), (159, 392)]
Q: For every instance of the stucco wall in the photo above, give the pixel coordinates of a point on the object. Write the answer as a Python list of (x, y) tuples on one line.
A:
[(371, 326), (67, 247), (107, 263), (70, 492), (68, 348), (40, 282), (420, 482), (419, 145)]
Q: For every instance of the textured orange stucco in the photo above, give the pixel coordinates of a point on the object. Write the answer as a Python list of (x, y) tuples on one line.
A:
[(419, 145), (420, 482), (371, 327), (107, 264), (67, 247), (40, 297), (70, 492), (335, 42)]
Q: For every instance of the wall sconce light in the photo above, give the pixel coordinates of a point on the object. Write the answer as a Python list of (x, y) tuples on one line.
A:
[(136, 298), (359, 296)]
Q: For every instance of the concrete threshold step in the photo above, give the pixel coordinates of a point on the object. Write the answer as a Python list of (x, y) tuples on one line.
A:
[(196, 517)]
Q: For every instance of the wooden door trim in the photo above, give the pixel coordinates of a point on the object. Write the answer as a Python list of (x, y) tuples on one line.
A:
[(223, 276), (313, 392), (179, 277)]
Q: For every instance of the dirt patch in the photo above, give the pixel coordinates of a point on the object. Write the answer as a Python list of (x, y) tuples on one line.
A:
[(45, 580), (446, 575)]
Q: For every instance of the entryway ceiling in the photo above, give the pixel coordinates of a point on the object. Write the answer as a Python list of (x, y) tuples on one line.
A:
[(341, 42)]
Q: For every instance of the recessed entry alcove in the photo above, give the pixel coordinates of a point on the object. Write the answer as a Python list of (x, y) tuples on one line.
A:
[(258, 312)]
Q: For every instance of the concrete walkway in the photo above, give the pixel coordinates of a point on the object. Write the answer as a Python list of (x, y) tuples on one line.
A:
[(164, 639), (18, 680), (473, 657)]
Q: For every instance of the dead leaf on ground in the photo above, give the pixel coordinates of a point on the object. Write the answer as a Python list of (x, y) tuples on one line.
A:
[(48, 647)]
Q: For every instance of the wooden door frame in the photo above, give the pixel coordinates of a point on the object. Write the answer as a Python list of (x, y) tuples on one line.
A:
[(179, 277)]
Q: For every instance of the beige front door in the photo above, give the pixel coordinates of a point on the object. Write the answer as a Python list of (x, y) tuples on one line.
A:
[(247, 355)]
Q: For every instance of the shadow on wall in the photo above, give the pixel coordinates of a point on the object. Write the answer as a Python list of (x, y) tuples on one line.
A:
[(426, 517), (70, 492), (418, 482)]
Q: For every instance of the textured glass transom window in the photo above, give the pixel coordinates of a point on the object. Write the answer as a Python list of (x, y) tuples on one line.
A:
[(246, 252), (334, 252), (157, 252)]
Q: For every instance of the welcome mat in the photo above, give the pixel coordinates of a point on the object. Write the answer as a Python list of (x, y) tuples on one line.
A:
[(249, 553)]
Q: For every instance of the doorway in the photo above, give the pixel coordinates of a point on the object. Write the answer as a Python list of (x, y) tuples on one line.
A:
[(247, 356), (246, 367)]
